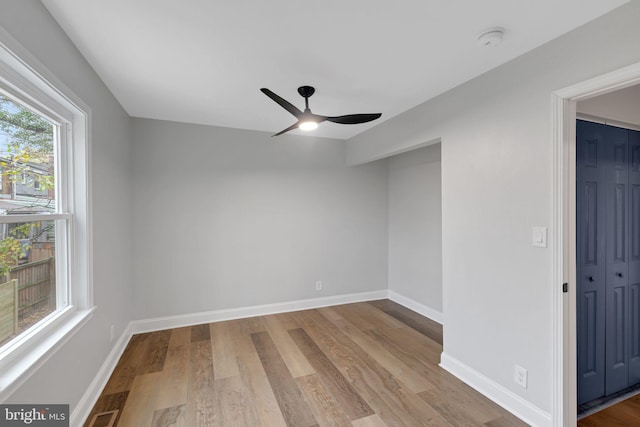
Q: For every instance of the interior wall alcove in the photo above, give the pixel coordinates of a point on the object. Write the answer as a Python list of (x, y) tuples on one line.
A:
[(415, 228)]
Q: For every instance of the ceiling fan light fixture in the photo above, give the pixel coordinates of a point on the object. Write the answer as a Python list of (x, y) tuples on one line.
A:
[(308, 125), (307, 120)]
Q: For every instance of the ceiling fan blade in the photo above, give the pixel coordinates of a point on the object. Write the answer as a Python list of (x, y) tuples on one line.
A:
[(283, 103), (316, 118), (354, 119), (292, 127)]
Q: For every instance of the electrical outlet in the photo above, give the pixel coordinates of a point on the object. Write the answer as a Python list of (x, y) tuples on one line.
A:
[(319, 285), (520, 376), (113, 332)]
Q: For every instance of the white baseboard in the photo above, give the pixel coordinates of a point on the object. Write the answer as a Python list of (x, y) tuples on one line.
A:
[(422, 309), (510, 401), (90, 397), (170, 322)]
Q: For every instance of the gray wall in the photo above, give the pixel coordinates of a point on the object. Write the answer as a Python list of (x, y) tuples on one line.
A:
[(229, 218), (496, 185), (619, 106), (65, 377), (415, 226)]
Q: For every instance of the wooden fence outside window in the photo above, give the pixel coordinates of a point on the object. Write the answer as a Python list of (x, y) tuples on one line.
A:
[(34, 283)]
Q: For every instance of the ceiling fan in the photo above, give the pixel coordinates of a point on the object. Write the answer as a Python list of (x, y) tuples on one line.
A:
[(309, 121)]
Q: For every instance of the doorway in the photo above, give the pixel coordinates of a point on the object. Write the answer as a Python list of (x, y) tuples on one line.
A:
[(564, 367), (608, 256)]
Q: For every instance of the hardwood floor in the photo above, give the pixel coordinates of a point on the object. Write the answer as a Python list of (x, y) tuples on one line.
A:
[(623, 414), (369, 364)]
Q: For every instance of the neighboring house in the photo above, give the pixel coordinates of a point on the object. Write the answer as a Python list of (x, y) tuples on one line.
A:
[(27, 188), (26, 195)]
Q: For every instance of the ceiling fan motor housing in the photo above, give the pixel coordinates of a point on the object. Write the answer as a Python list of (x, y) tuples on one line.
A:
[(306, 91)]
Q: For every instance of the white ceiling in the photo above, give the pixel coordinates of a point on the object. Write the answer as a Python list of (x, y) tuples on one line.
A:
[(204, 61)]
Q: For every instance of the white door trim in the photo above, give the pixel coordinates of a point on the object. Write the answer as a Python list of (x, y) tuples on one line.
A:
[(564, 377)]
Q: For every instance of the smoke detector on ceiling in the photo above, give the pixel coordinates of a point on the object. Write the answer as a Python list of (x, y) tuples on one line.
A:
[(491, 37)]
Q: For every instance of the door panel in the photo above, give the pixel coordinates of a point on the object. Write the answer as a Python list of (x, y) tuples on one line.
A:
[(617, 314), (634, 258), (634, 336), (590, 335), (590, 225), (635, 226), (619, 229), (618, 355), (591, 308)]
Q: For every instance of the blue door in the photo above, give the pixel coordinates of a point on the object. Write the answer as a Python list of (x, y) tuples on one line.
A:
[(608, 259), (634, 258), (617, 266), (591, 263)]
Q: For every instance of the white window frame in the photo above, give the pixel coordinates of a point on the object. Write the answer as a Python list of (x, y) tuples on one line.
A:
[(25, 79)]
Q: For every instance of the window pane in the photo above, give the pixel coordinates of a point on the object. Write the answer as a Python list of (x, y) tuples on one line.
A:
[(27, 276), (27, 174)]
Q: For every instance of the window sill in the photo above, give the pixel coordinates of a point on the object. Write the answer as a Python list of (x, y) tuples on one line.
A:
[(23, 358)]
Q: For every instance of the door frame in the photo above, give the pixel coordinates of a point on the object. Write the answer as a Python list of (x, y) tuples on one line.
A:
[(564, 364)]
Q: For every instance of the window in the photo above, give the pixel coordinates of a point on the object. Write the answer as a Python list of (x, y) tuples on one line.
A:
[(45, 225), (30, 143)]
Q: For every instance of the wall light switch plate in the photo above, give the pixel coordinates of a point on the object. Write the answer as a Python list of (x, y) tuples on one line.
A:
[(539, 237)]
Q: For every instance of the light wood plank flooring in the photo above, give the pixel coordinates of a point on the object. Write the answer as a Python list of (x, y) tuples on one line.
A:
[(369, 364)]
